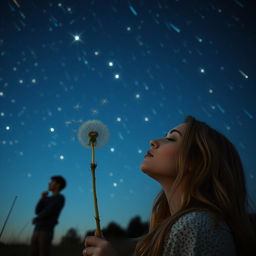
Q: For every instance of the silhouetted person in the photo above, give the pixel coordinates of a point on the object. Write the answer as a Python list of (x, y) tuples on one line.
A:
[(47, 210)]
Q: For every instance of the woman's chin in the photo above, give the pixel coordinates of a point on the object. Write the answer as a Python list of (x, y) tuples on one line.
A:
[(144, 167)]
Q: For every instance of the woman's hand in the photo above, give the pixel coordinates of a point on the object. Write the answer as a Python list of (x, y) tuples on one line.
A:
[(95, 246)]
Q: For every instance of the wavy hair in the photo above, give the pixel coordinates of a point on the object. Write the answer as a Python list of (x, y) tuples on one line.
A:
[(216, 183)]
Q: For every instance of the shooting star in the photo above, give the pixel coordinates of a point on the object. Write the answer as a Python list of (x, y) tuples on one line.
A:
[(243, 74), (16, 3)]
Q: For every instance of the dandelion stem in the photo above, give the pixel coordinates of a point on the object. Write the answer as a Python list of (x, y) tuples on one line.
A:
[(97, 217)]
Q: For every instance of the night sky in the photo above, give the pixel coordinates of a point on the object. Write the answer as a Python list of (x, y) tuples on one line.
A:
[(140, 67)]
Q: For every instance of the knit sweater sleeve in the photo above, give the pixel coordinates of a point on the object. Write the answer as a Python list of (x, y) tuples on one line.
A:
[(196, 234)]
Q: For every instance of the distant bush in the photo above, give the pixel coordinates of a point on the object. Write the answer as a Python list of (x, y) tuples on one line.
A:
[(113, 230), (135, 228), (71, 238)]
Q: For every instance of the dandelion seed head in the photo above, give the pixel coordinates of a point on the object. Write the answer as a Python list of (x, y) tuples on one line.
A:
[(93, 125)]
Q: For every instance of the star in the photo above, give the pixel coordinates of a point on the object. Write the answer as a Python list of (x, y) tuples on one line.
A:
[(202, 70), (77, 107), (77, 38), (104, 101)]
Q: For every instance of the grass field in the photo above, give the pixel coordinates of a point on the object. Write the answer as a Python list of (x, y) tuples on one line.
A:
[(124, 247)]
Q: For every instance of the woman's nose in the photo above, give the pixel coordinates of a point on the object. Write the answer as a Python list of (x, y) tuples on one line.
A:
[(154, 144)]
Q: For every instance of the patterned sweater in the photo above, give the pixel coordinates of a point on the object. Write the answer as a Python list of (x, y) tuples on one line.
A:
[(197, 234)]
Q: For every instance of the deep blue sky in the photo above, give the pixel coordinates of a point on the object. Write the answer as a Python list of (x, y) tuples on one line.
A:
[(138, 66)]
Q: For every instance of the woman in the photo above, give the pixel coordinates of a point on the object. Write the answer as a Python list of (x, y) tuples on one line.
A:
[(202, 209)]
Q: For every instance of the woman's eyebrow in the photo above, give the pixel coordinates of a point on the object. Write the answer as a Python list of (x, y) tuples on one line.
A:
[(175, 130)]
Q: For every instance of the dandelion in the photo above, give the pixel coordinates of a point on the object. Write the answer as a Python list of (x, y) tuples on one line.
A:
[(93, 126), (94, 134)]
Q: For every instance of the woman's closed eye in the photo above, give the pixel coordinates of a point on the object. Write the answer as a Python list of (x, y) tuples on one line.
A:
[(170, 139)]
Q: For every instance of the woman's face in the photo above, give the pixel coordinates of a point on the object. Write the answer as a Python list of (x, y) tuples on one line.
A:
[(160, 162)]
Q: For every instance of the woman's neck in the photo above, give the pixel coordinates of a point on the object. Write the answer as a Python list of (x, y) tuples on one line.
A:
[(173, 197)]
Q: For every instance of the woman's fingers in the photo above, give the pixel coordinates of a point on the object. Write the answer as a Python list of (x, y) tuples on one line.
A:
[(97, 247), (89, 251), (84, 253), (94, 241)]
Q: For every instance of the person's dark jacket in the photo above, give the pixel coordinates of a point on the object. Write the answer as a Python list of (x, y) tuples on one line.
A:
[(48, 211)]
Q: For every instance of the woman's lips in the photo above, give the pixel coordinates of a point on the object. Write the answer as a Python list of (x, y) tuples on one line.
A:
[(148, 154)]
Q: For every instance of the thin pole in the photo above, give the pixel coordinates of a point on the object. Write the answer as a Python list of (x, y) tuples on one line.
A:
[(8, 215), (97, 217)]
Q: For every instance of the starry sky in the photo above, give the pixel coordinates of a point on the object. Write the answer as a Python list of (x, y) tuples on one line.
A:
[(138, 66)]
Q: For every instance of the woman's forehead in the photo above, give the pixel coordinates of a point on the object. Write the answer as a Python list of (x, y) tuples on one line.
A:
[(180, 129)]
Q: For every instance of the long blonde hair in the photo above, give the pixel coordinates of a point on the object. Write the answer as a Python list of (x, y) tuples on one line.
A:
[(216, 183)]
